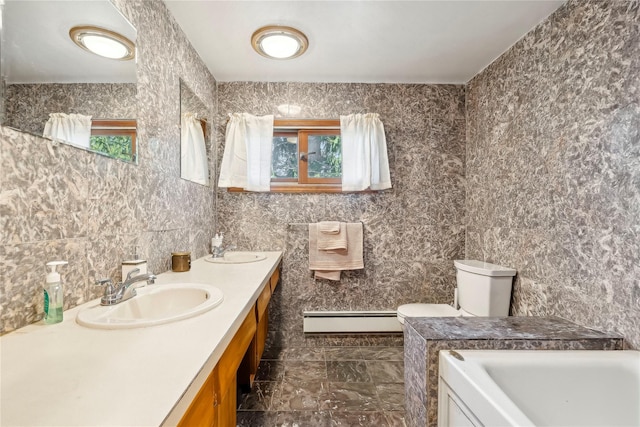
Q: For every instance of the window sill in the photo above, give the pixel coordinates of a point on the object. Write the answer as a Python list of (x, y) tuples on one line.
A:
[(301, 188)]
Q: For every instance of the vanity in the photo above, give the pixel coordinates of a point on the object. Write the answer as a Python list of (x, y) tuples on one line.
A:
[(168, 374)]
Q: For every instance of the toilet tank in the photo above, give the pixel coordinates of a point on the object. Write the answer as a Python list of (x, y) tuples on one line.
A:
[(484, 289)]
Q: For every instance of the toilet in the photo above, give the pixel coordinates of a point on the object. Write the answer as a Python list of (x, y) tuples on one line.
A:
[(483, 289)]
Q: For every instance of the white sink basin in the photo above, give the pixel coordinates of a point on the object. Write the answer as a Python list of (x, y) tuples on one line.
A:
[(237, 258), (153, 305)]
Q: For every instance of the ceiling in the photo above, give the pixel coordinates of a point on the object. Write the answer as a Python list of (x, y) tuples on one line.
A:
[(37, 47), (361, 41)]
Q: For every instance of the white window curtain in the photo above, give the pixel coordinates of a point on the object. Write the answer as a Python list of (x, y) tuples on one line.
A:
[(193, 151), (365, 163), (73, 128), (246, 162)]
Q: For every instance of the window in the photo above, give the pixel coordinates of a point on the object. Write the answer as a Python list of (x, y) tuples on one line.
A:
[(306, 156), (115, 138)]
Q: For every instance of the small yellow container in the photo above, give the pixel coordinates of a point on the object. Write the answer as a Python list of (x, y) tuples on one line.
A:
[(180, 261)]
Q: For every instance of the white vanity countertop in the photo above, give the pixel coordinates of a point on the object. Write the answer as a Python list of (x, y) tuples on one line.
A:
[(69, 375)]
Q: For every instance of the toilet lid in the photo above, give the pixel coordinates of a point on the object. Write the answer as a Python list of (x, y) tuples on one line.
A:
[(427, 310)]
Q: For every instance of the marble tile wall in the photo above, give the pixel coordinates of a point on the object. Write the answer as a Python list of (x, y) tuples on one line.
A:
[(27, 106), (553, 166), (412, 232), (59, 202)]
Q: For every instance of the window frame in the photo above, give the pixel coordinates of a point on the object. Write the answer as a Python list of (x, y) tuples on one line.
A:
[(289, 133), (117, 127), (303, 165), (291, 127)]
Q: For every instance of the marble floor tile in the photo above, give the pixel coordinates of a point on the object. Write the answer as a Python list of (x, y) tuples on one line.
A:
[(299, 370), (355, 386), (347, 371), (351, 397), (300, 396), (274, 353), (382, 353), (303, 419), (395, 418), (391, 396), (386, 372), (365, 419), (342, 353), (256, 419), (270, 370), (304, 353), (261, 396)]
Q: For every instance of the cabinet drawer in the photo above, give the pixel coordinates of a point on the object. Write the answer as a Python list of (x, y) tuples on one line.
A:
[(275, 278), (263, 302), (233, 355)]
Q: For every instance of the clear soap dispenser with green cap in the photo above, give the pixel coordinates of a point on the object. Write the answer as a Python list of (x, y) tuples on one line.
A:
[(53, 294)]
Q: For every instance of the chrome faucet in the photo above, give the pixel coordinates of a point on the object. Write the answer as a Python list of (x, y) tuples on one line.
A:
[(127, 289), (218, 252)]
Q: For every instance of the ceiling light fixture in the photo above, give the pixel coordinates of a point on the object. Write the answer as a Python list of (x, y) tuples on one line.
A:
[(277, 42), (103, 42)]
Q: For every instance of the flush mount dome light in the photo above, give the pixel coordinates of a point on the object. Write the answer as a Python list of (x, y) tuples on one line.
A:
[(103, 42), (277, 42)]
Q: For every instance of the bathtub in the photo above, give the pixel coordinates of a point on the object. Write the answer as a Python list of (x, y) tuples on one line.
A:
[(539, 388)]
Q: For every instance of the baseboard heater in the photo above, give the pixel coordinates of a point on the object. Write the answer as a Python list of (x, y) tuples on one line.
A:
[(327, 322)]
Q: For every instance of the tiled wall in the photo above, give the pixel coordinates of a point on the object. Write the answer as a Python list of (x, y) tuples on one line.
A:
[(28, 105), (553, 166), (553, 182), (412, 232), (65, 203)]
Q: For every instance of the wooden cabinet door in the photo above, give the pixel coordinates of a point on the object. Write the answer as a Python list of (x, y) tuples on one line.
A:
[(262, 313), (233, 362), (202, 411), (275, 278), (226, 410)]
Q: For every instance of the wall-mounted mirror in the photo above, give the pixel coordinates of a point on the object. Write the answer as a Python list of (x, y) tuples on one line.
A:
[(52, 86), (195, 131)]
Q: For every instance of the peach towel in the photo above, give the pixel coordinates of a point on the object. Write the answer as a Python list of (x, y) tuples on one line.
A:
[(328, 264), (333, 241), (329, 227)]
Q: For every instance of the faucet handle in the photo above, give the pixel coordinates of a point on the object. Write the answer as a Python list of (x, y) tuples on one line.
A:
[(132, 273), (102, 282), (152, 279), (109, 290)]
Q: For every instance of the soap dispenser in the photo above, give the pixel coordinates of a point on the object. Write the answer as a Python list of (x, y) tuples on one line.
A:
[(133, 263), (53, 294), (216, 242)]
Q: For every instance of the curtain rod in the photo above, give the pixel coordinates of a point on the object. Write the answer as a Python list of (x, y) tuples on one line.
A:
[(289, 123), (300, 224), (305, 127)]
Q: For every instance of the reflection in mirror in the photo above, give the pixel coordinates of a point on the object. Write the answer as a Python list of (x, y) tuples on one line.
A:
[(195, 130), (53, 88)]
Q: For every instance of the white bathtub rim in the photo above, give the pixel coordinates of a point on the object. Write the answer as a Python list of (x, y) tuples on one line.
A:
[(486, 398)]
